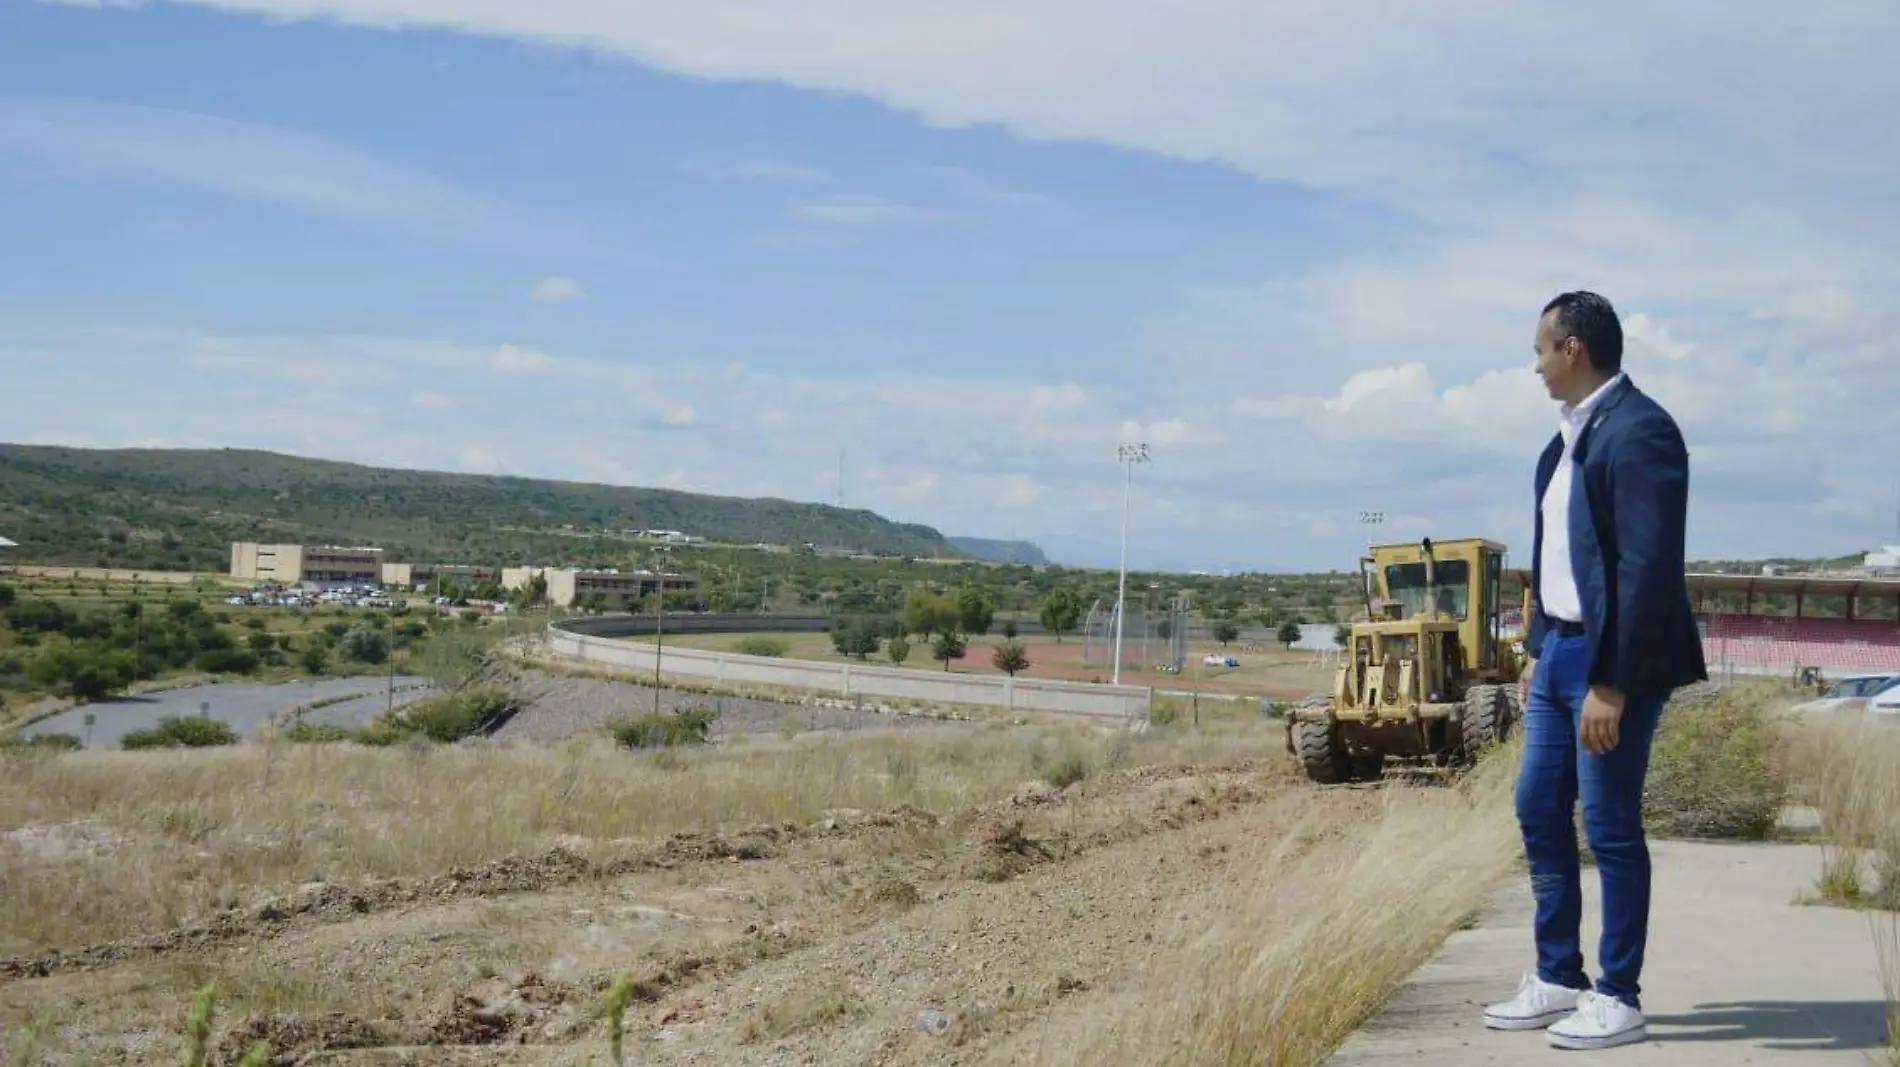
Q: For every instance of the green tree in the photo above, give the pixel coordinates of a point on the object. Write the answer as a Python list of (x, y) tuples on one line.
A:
[(1009, 629), (975, 610), (1289, 633), (927, 613), (1009, 657), (856, 637), (1342, 635), (1061, 613), (947, 647), (898, 649), (1225, 631)]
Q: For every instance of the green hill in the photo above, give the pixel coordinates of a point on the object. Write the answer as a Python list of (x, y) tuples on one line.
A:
[(180, 510)]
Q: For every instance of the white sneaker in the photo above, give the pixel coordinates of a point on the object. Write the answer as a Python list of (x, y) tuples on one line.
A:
[(1537, 1004), (1600, 1022)]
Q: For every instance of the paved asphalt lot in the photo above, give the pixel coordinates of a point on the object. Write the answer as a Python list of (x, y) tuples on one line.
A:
[(244, 707)]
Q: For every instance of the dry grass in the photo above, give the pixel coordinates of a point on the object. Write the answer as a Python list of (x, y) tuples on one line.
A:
[(100, 845), (1313, 945), (822, 1002), (1847, 766), (1719, 769)]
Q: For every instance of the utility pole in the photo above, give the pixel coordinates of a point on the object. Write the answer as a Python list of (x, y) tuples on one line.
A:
[(1129, 456), (659, 625)]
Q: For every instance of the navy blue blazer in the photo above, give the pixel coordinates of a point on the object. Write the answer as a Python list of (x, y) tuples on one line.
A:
[(1629, 507)]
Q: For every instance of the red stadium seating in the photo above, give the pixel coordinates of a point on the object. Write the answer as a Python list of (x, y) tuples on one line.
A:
[(1755, 644)]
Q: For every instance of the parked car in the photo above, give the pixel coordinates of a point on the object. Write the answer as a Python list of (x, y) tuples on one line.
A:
[(1887, 701), (1853, 689)]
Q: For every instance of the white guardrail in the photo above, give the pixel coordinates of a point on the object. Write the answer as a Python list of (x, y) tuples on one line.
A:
[(860, 679)]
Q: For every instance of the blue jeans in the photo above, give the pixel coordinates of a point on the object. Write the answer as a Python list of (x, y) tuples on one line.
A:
[(1556, 769)]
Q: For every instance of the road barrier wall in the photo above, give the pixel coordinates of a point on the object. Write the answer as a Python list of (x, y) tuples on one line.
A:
[(844, 679)]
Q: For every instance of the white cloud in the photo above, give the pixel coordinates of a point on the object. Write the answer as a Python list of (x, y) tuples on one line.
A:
[(1163, 433), (1018, 491), (556, 289), (1054, 398), (514, 359), (88, 137), (1644, 334), (859, 209)]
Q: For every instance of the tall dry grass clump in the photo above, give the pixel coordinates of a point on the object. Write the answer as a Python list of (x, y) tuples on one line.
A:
[(1847, 766), (1317, 941)]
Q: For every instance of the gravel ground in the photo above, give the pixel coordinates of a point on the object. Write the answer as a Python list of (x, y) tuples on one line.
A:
[(561, 707)]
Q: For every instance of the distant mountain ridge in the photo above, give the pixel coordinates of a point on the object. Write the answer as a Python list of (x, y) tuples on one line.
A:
[(993, 551), (181, 508)]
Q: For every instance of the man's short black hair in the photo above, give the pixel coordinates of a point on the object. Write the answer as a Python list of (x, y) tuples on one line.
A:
[(1591, 320)]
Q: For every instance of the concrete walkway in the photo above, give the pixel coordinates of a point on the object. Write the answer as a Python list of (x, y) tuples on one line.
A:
[(1736, 974)]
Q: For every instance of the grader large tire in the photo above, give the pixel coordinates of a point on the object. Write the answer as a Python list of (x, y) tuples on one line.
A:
[(1490, 716), (1322, 760)]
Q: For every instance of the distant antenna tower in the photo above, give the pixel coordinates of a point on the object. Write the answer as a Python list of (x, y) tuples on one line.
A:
[(841, 476)]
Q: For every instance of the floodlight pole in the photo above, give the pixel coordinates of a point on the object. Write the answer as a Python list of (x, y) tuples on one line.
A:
[(1129, 456)]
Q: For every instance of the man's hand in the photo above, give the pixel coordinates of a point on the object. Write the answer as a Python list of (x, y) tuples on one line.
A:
[(1602, 716), (1524, 682)]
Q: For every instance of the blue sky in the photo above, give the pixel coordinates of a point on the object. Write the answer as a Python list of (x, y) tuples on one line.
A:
[(1299, 252)]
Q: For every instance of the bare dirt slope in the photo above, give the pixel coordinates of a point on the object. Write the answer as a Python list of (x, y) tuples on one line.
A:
[(995, 932)]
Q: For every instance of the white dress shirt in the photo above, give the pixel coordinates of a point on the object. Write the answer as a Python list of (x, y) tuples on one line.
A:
[(1557, 583)]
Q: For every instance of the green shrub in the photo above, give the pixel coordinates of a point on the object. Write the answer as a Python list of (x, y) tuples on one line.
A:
[(364, 644), (687, 726), (40, 743), (1715, 768), (382, 734), (173, 731), (314, 659), (316, 733), (447, 719), (1067, 770), (761, 645), (226, 661)]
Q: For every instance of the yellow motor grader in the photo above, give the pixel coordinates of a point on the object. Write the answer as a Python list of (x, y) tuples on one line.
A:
[(1429, 678)]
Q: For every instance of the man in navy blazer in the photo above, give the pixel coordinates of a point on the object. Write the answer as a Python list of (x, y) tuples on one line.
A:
[(1612, 635)]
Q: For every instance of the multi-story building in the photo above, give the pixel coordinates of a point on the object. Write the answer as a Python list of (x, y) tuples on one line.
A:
[(319, 566), (416, 575), (616, 589)]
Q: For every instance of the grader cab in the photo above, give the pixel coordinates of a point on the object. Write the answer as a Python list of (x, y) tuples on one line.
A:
[(1429, 678)]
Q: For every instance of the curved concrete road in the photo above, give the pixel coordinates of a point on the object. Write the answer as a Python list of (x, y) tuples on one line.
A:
[(244, 706)]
